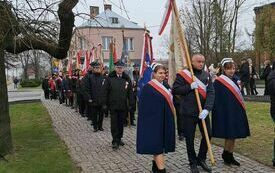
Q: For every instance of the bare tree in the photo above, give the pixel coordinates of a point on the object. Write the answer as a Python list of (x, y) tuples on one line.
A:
[(23, 28), (212, 27)]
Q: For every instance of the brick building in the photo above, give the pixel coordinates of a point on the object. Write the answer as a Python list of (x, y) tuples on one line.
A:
[(106, 26), (265, 33)]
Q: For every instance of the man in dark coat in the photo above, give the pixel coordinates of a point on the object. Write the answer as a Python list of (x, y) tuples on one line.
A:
[(94, 85), (245, 76), (271, 91), (80, 90), (184, 86), (265, 73), (45, 87), (118, 94)]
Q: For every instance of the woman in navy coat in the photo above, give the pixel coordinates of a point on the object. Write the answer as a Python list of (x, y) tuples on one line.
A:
[(229, 120), (155, 127)]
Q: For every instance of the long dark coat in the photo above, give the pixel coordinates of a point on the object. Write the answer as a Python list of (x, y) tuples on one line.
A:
[(229, 120), (155, 127), (271, 90)]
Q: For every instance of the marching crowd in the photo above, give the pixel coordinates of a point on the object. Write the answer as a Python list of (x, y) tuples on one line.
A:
[(221, 90)]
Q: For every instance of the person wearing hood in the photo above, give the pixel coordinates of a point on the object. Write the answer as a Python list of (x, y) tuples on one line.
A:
[(271, 91), (118, 95)]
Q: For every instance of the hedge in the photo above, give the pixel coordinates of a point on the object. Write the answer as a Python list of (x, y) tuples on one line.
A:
[(30, 83)]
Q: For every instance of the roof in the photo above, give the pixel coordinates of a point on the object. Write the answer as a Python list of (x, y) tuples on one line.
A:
[(257, 9), (104, 20)]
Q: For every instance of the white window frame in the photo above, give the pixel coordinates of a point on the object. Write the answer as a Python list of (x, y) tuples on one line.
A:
[(129, 41), (81, 43), (106, 40)]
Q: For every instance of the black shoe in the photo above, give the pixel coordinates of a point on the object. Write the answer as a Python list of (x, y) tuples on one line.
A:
[(95, 130), (181, 138), (121, 143), (161, 170), (204, 166), (115, 146), (154, 166), (101, 129), (194, 168), (226, 157), (233, 161)]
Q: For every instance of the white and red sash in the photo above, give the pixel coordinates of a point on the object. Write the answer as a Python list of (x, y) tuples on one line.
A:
[(233, 88), (164, 92), (187, 76)]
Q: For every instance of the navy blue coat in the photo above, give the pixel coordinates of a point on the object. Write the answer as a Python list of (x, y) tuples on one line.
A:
[(155, 126), (229, 120)]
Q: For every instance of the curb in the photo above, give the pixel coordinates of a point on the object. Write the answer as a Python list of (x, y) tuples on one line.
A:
[(24, 101)]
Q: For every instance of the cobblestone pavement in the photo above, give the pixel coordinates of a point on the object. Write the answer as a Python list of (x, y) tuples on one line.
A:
[(93, 152)]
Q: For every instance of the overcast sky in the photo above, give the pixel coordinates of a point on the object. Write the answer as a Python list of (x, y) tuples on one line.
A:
[(150, 12)]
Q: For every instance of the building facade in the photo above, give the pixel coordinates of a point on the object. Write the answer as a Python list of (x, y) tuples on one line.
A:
[(105, 27), (265, 34)]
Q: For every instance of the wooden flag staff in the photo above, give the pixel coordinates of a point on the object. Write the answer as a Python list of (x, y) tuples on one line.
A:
[(185, 48)]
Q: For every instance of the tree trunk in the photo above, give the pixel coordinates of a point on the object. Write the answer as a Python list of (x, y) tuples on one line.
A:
[(5, 128)]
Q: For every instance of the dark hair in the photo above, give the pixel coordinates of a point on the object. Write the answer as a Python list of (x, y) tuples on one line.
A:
[(228, 65), (158, 67)]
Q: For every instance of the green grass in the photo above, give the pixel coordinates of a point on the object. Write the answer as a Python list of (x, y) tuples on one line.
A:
[(37, 148), (259, 145)]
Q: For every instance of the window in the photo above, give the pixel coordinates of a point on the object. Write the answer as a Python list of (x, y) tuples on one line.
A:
[(81, 43), (114, 20), (129, 43), (106, 42)]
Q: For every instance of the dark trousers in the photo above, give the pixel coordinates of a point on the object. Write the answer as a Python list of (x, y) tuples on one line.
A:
[(265, 88), (61, 96), (82, 105), (117, 120), (132, 116), (245, 85), (97, 115), (46, 94), (179, 121), (89, 111), (53, 94), (189, 127), (253, 87)]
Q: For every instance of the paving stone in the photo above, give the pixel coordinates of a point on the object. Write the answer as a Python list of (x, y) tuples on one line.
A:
[(92, 152)]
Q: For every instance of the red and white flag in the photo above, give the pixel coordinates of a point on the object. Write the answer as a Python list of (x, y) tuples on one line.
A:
[(167, 13)]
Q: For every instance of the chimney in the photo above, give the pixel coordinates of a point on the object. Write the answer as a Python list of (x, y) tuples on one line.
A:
[(107, 6), (94, 11)]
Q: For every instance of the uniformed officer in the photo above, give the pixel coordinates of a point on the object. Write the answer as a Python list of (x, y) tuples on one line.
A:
[(184, 86), (94, 84), (118, 94)]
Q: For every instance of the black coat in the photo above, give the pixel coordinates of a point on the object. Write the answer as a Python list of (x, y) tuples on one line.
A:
[(74, 83), (45, 84), (244, 72), (266, 72), (117, 92), (188, 104), (271, 90), (93, 87)]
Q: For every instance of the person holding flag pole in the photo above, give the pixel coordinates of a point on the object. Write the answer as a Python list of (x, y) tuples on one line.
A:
[(192, 90)]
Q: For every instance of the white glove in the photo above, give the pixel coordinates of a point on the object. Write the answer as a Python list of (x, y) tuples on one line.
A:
[(194, 85), (203, 114)]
